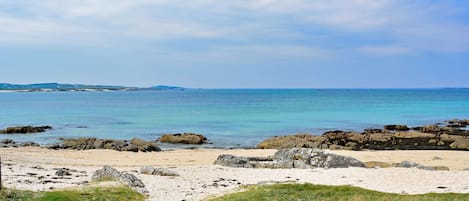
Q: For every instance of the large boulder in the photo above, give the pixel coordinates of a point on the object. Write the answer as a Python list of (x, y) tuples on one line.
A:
[(183, 138), (25, 129), (302, 158), (108, 173)]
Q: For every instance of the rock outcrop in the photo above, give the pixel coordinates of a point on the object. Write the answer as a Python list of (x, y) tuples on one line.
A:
[(430, 137), (157, 171), (183, 138), (134, 145), (10, 143), (25, 129), (302, 158), (108, 173)]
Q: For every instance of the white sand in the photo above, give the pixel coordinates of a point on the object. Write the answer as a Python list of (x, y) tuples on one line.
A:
[(199, 178)]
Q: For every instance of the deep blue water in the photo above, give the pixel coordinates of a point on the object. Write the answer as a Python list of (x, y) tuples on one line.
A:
[(228, 117)]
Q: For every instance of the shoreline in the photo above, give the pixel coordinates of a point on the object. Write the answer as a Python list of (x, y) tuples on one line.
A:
[(33, 168)]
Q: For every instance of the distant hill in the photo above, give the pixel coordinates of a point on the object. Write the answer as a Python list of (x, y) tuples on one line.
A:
[(165, 87), (75, 87)]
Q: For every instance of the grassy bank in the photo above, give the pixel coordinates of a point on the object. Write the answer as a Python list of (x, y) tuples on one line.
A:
[(88, 194), (329, 193)]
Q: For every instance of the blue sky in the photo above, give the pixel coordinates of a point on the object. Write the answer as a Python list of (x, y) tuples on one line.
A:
[(237, 44)]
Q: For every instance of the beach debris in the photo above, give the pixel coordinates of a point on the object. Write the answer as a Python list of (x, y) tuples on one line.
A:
[(109, 173), (157, 171), (25, 129), (183, 138), (134, 145), (302, 158)]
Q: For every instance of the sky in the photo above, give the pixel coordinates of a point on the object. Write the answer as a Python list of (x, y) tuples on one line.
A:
[(237, 43)]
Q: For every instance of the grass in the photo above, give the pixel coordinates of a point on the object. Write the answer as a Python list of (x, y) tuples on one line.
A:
[(303, 192), (88, 194)]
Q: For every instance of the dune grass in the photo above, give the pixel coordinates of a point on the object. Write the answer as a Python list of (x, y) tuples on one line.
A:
[(88, 194), (300, 192)]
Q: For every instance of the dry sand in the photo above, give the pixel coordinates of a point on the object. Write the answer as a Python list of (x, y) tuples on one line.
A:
[(33, 168)]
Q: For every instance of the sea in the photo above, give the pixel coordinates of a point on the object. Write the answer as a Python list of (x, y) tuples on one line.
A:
[(228, 117)]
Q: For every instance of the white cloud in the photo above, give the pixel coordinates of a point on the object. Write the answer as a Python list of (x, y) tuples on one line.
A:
[(415, 25)]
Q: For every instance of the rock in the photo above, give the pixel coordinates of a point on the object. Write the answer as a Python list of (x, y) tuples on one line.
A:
[(298, 141), (457, 123), (409, 164), (109, 173), (134, 145), (63, 172), (436, 158), (430, 137), (394, 127), (460, 143), (7, 141), (374, 164), (233, 161), (372, 130), (29, 144), (157, 171), (183, 138), (302, 158), (25, 129), (144, 146)]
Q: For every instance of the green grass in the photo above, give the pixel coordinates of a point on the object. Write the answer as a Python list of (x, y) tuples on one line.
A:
[(300, 192), (88, 194)]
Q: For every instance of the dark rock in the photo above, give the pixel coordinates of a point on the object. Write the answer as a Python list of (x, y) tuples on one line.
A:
[(29, 144), (7, 141), (25, 129), (409, 164), (372, 131), (430, 137), (394, 127), (134, 145), (302, 158), (183, 138), (457, 123), (109, 173), (157, 171), (63, 172)]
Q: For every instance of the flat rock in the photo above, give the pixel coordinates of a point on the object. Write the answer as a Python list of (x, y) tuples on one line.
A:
[(157, 171), (25, 129), (302, 158), (183, 138), (134, 145)]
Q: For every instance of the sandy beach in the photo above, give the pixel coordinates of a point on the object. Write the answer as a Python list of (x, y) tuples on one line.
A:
[(33, 169)]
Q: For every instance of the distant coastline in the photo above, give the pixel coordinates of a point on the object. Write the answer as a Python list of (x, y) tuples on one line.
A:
[(51, 87)]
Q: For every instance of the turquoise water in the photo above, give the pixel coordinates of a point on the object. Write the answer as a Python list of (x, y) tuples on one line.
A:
[(229, 117)]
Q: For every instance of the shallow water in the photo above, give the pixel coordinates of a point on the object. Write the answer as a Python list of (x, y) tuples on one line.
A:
[(229, 117)]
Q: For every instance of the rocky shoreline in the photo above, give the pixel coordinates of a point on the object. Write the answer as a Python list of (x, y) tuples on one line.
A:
[(441, 136), (449, 135)]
